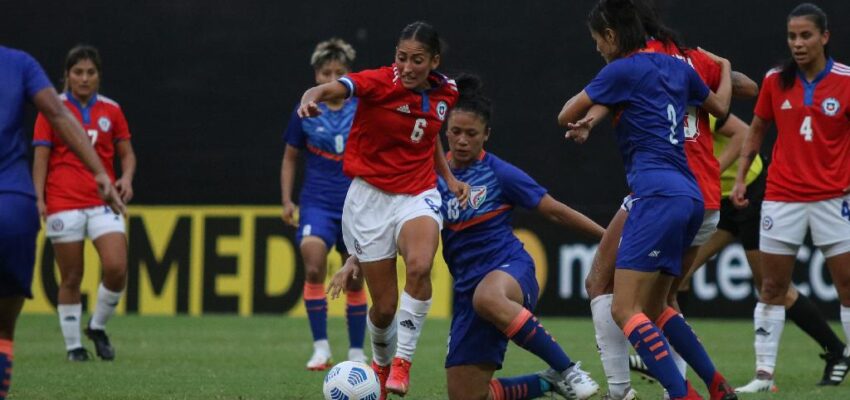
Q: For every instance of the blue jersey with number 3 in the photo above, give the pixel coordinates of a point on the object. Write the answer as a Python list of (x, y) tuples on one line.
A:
[(649, 93), (324, 138), (480, 238)]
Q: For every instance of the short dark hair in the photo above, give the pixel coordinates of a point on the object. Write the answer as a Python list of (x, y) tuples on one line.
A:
[(424, 33), (82, 52), (620, 16)]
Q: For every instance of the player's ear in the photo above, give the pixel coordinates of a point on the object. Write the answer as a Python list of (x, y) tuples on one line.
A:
[(487, 134), (610, 36), (435, 61), (824, 38)]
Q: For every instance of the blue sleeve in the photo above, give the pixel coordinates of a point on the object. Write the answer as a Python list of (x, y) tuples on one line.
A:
[(294, 134), (612, 85), (35, 80), (519, 188), (697, 90)]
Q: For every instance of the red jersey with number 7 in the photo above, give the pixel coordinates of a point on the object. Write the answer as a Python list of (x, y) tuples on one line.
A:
[(70, 185), (811, 157), (395, 130)]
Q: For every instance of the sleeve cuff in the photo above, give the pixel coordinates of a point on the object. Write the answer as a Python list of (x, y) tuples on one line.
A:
[(44, 143), (349, 85)]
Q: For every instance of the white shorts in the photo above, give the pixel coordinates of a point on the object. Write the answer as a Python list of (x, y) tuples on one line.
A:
[(372, 219), (788, 222), (75, 225), (708, 227)]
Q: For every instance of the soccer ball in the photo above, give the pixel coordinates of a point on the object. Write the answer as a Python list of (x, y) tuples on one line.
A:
[(351, 380)]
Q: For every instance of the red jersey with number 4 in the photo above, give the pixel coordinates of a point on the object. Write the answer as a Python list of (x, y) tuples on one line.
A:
[(811, 157), (70, 185), (699, 145), (395, 130)]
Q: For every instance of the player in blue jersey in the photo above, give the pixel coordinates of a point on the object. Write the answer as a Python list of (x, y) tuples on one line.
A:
[(22, 80), (318, 225), (495, 288), (649, 92)]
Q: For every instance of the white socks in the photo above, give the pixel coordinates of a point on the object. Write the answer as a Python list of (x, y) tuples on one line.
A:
[(411, 319), (681, 364), (845, 321), (383, 342), (69, 321), (769, 320), (613, 346), (106, 302)]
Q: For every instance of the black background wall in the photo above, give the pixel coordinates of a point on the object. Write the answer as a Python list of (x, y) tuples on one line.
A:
[(208, 86)]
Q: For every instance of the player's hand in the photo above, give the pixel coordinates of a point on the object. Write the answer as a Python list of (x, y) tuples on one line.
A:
[(309, 110), (580, 130), (289, 214), (349, 272), (738, 196), (109, 194), (125, 189), (42, 208), (719, 60), (847, 190), (461, 191)]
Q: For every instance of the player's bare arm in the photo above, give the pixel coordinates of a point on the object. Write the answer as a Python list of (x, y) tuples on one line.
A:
[(717, 104), (562, 214), (752, 144), (736, 130), (287, 179), (743, 87), (124, 185), (325, 92), (460, 189)]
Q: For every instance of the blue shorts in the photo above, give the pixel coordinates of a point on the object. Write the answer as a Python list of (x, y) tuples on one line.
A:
[(19, 227), (324, 224), (657, 232), (474, 340)]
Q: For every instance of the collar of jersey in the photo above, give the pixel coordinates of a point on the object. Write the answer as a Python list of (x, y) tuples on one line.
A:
[(83, 109), (480, 158), (809, 87)]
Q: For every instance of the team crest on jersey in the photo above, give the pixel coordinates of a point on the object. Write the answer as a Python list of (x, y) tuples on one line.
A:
[(831, 106), (442, 108), (104, 124), (477, 195)]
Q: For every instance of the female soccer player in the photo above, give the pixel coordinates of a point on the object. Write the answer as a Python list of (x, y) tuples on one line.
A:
[(393, 205), (67, 196), (666, 209), (322, 195), (24, 80), (495, 288), (808, 186)]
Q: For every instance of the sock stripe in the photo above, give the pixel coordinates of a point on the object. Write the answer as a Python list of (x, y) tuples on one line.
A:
[(661, 355), (665, 316), (355, 298), (496, 390), (651, 337), (517, 323), (314, 291), (636, 321), (656, 346), (7, 347)]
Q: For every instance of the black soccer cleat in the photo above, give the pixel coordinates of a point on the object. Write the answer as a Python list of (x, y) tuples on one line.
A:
[(837, 366), (636, 364), (79, 354), (102, 346)]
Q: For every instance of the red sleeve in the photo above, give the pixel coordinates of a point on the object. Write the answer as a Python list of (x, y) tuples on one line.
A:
[(707, 69), (43, 135), (764, 105), (368, 84), (120, 129)]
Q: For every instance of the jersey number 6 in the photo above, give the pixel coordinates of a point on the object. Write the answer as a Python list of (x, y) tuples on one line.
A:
[(418, 130)]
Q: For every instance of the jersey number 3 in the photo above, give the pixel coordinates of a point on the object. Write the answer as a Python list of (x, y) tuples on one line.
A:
[(418, 130)]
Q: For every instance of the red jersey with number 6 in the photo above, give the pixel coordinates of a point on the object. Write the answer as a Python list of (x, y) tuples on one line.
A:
[(811, 157), (395, 130), (70, 185), (699, 145)]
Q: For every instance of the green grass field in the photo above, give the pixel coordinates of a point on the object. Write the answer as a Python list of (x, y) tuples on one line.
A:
[(227, 357)]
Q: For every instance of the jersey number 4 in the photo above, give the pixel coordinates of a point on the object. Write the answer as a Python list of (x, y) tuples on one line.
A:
[(806, 129), (418, 130)]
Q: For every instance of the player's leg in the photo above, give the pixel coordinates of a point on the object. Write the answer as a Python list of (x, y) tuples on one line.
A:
[(107, 232), (10, 308), (314, 255), (66, 231), (382, 278), (355, 312), (613, 346), (473, 382), (505, 298)]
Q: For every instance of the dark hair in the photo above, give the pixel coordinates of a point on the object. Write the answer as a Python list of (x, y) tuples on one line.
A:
[(472, 98), (813, 13), (333, 49), (654, 27), (622, 17), (79, 53), (424, 33)]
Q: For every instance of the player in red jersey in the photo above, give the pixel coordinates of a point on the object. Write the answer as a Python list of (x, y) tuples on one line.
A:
[(808, 185), (393, 205), (68, 198)]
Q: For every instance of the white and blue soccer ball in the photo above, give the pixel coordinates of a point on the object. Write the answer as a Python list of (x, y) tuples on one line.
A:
[(351, 380)]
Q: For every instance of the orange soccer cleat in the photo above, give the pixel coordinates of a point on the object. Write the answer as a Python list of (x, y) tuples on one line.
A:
[(399, 380)]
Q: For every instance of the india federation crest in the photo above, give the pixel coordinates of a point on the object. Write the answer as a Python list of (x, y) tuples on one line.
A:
[(104, 124), (442, 108), (477, 195), (830, 106)]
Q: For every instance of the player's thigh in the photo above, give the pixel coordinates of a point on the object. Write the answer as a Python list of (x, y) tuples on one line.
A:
[(382, 278), (469, 382), (784, 222), (317, 232), (473, 340), (839, 267), (418, 228), (112, 249), (600, 280), (830, 224)]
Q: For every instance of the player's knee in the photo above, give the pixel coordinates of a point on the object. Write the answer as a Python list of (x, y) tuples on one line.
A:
[(621, 313), (418, 268), (383, 312), (484, 302), (71, 280), (773, 290)]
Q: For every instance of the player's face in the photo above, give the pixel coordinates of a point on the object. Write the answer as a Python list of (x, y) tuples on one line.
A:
[(805, 40), (83, 79), (414, 63), (606, 44), (330, 71), (467, 133)]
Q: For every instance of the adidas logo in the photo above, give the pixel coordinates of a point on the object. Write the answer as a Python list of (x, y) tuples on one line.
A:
[(70, 318), (762, 332), (654, 253), (379, 344), (408, 324), (405, 109), (786, 105)]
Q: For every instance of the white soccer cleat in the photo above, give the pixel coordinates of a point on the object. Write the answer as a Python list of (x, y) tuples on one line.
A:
[(630, 395), (320, 361), (758, 385), (574, 383), (355, 354)]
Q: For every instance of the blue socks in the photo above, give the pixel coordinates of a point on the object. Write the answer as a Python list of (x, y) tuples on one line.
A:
[(650, 344), (529, 334)]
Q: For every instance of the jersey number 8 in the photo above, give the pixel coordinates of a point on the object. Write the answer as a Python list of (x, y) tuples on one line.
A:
[(418, 130)]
